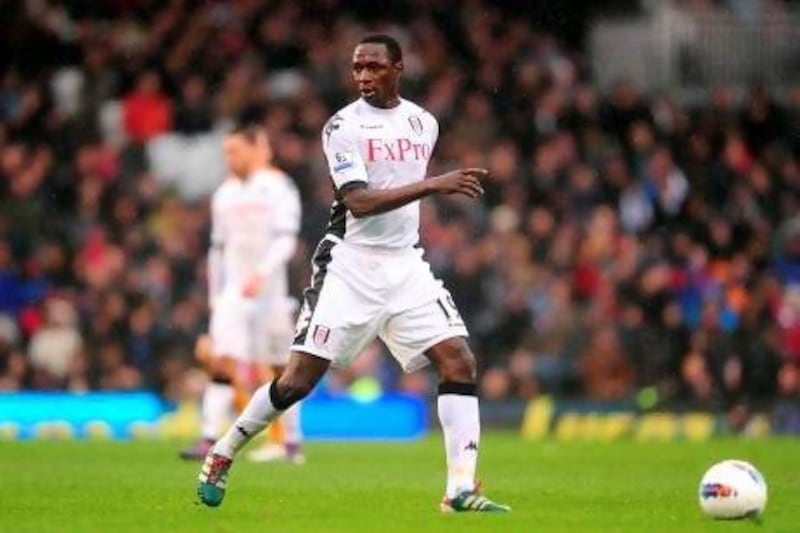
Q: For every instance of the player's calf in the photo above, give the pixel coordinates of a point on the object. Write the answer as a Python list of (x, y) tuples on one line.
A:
[(458, 411), (266, 404), (284, 393)]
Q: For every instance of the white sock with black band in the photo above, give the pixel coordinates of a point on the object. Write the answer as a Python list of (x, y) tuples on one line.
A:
[(460, 419), (258, 414)]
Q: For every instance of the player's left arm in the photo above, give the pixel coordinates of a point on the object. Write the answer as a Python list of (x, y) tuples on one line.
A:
[(363, 201)]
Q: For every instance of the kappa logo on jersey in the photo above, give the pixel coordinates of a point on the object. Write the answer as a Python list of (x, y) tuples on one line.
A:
[(397, 150), (321, 335), (343, 160), (416, 124)]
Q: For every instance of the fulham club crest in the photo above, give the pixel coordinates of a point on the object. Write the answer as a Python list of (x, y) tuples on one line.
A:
[(416, 124), (321, 334)]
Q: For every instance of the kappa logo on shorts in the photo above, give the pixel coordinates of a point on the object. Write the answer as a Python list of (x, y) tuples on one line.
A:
[(321, 335)]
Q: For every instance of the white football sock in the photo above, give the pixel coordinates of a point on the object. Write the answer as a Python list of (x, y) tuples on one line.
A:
[(216, 409), (461, 425), (292, 434), (255, 417)]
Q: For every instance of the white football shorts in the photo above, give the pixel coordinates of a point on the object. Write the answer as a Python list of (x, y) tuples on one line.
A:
[(359, 293), (252, 330)]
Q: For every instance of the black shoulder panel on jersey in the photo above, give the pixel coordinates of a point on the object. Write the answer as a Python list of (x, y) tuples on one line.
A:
[(332, 125), (337, 224)]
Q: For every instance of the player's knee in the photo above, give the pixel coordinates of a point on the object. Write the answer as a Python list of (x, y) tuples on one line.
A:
[(288, 390), (456, 363)]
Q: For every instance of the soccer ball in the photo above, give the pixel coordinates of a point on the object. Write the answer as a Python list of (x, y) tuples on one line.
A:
[(733, 489)]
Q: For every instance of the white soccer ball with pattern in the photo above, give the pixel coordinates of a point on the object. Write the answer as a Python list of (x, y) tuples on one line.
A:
[(733, 489)]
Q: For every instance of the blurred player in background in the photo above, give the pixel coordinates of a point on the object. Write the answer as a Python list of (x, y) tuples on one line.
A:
[(255, 218), (370, 279)]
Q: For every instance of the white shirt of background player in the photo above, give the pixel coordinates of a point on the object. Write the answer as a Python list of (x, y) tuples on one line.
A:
[(254, 226)]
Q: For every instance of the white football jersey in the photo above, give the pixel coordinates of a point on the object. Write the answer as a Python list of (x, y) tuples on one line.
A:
[(384, 148), (246, 215)]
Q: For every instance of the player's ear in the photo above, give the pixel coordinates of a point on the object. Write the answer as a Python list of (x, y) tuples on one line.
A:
[(399, 66)]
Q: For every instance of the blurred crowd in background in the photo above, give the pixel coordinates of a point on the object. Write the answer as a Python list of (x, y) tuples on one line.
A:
[(626, 242)]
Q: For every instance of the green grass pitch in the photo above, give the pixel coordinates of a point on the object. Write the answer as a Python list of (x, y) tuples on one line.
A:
[(383, 487)]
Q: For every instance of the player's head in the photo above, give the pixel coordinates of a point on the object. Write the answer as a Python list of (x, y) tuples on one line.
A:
[(263, 153), (377, 64), (246, 149)]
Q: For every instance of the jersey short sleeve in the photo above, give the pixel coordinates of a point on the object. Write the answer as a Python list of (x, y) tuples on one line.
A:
[(341, 150)]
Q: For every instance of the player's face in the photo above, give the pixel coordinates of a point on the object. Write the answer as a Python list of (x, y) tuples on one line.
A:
[(375, 74), (238, 154)]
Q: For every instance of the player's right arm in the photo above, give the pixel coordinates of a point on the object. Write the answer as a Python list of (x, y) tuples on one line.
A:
[(350, 178)]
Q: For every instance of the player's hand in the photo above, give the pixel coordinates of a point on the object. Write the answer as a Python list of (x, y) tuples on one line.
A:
[(203, 349), (465, 181), (253, 286)]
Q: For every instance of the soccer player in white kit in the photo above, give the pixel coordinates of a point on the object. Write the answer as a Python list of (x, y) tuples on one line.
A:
[(370, 280), (255, 218)]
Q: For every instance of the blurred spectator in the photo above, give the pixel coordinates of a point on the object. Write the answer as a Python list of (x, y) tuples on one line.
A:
[(787, 411), (56, 349), (194, 113), (147, 111), (12, 361), (115, 373), (605, 373)]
